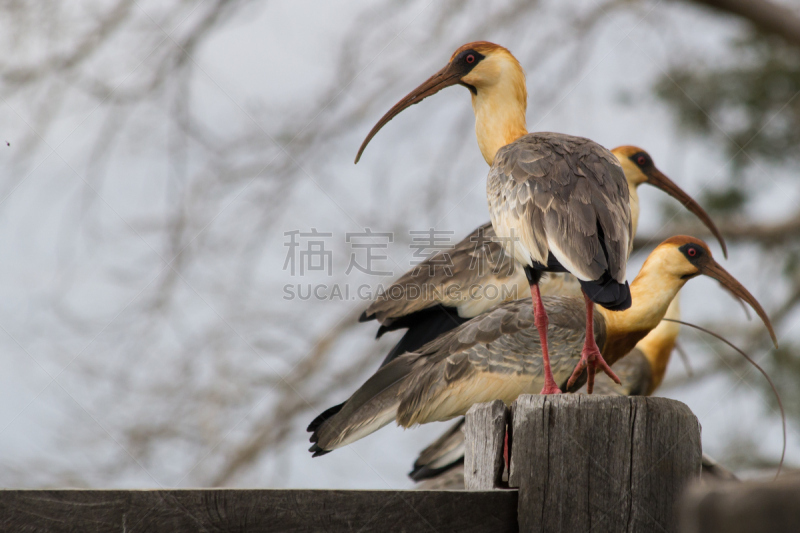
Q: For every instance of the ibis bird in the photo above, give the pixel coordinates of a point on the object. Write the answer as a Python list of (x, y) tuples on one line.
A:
[(458, 284), (496, 356), (640, 371), (440, 465), (453, 286), (558, 203)]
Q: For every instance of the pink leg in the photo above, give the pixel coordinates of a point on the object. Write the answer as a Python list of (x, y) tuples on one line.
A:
[(590, 355), (506, 455), (540, 319)]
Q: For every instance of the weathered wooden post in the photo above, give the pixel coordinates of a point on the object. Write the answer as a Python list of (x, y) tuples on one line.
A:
[(485, 432), (590, 463)]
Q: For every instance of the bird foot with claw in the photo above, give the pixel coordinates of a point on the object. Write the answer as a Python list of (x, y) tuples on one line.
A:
[(591, 359)]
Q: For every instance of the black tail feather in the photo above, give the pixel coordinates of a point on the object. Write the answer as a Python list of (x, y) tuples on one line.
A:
[(423, 327), (608, 293), (328, 413), (436, 312), (315, 450)]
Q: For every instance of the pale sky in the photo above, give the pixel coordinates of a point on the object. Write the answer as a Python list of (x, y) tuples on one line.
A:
[(268, 62)]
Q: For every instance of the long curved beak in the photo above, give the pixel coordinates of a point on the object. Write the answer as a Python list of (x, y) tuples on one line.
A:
[(444, 78), (714, 270), (657, 179)]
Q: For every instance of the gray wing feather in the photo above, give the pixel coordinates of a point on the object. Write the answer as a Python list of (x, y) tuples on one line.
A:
[(444, 278), (633, 370), (503, 342), (378, 396), (563, 187)]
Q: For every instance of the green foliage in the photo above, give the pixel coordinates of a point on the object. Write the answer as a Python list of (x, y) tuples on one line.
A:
[(784, 368), (725, 200), (752, 105), (791, 263)]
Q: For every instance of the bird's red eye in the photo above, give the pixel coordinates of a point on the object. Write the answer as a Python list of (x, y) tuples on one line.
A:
[(692, 252), (641, 160), (470, 58)]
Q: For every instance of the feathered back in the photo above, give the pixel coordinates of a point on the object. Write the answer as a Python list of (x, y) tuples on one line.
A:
[(565, 194), (445, 277), (496, 355)]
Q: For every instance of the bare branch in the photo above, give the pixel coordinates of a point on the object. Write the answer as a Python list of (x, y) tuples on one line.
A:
[(768, 234), (764, 14)]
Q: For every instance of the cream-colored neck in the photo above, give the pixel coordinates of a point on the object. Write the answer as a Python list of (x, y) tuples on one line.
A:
[(651, 293), (657, 346), (633, 193), (500, 113)]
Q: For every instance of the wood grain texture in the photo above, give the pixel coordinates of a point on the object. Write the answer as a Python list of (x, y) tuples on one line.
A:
[(601, 463), (751, 507), (485, 431), (254, 511)]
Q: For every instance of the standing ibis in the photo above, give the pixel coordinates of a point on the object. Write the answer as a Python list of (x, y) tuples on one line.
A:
[(440, 465), (497, 356), (453, 286), (558, 203), (458, 284), (640, 371)]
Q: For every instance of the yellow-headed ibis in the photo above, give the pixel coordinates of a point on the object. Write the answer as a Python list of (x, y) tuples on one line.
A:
[(455, 285), (640, 371), (440, 465), (558, 203), (498, 355)]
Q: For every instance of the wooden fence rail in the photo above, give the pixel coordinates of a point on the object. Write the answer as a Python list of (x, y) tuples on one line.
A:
[(255, 511), (577, 464)]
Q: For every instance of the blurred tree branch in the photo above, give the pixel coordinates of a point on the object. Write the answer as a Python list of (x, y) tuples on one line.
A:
[(769, 235), (764, 14)]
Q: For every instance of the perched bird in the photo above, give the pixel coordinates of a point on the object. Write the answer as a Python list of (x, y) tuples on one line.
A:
[(640, 371), (558, 203), (440, 465), (455, 285), (497, 355), (643, 369), (443, 456)]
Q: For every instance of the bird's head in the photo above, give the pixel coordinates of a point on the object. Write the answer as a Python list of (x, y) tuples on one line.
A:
[(635, 162), (684, 258), (478, 66), (482, 65), (639, 168)]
